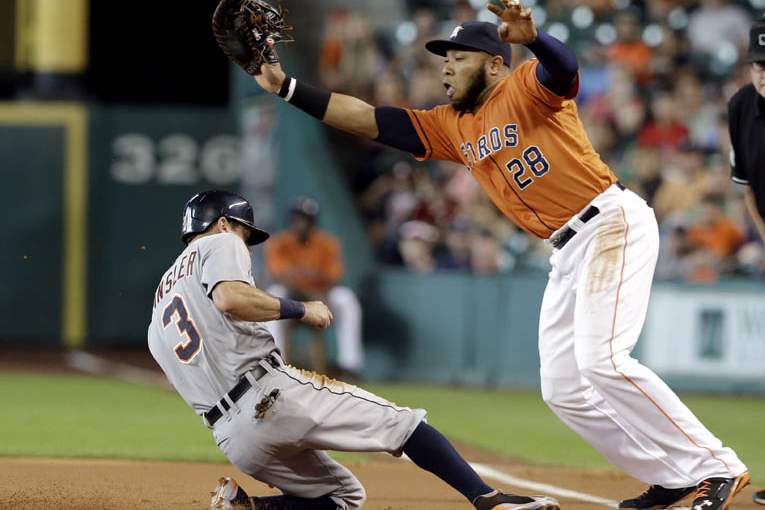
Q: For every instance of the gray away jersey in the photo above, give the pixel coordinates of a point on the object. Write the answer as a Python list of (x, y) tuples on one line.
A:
[(202, 350)]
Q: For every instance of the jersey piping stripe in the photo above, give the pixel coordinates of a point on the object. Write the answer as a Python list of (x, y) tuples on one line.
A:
[(509, 185), (429, 148), (625, 376), (310, 383)]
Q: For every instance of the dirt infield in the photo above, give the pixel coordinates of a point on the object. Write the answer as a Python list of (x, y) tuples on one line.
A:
[(391, 484)]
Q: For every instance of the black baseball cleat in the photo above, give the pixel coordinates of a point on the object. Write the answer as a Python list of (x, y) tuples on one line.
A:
[(759, 497), (656, 497), (506, 501), (718, 493)]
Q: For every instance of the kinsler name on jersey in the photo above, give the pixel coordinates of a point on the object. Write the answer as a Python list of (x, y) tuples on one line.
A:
[(183, 268)]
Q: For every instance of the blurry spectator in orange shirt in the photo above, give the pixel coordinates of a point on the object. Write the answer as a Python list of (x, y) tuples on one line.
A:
[(307, 264), (629, 48), (716, 232), (711, 243)]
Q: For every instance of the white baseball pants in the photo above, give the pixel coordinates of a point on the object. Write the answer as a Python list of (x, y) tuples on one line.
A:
[(347, 311), (593, 310)]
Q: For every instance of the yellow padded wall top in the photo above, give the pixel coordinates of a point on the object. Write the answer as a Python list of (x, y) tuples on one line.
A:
[(52, 36)]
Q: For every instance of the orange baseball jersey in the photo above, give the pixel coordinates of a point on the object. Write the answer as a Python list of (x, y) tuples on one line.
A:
[(526, 147), (309, 267)]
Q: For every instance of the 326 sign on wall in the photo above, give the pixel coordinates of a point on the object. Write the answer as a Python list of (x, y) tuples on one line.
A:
[(176, 159)]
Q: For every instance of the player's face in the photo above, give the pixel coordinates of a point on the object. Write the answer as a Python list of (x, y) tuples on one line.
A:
[(757, 71), (240, 230), (464, 77), (225, 225), (300, 225)]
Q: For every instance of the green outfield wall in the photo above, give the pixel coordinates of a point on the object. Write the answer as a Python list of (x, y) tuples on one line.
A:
[(32, 256), (463, 329), (44, 161), (454, 328)]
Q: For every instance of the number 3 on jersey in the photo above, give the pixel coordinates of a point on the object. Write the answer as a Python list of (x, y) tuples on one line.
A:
[(535, 162), (188, 349)]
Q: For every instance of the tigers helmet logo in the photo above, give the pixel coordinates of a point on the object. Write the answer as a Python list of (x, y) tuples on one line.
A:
[(761, 40), (187, 220), (456, 31)]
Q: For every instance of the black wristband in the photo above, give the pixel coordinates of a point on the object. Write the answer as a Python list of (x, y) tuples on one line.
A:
[(285, 90), (290, 309), (311, 100)]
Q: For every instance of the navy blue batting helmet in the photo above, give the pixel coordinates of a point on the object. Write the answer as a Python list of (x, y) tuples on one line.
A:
[(204, 209)]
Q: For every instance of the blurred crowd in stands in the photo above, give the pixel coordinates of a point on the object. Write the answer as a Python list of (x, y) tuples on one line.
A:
[(655, 80)]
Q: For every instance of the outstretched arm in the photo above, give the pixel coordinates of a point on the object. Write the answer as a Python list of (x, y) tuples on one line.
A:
[(343, 112), (558, 66), (247, 33), (387, 125)]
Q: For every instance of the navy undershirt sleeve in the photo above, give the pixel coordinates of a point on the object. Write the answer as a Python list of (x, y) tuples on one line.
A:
[(397, 131), (558, 65)]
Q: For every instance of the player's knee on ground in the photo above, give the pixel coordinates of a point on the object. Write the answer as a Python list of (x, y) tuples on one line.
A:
[(351, 496)]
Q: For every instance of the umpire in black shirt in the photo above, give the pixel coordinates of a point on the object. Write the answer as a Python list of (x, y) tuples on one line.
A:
[(746, 114)]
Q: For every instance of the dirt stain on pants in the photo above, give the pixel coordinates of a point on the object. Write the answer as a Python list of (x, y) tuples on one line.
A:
[(604, 266)]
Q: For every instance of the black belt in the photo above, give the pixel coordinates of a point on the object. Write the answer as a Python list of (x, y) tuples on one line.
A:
[(560, 239), (215, 414)]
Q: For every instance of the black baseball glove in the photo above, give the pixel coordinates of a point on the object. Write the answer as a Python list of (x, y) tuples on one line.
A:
[(247, 30)]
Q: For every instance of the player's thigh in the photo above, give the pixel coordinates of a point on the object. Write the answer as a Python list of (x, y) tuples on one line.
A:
[(258, 427), (313, 474), (556, 326), (614, 286), (348, 418)]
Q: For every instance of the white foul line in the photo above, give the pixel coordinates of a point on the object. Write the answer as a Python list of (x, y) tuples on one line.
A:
[(548, 490), (96, 365), (543, 488)]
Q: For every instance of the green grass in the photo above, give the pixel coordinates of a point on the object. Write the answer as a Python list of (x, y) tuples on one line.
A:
[(71, 416), (515, 424), (519, 424)]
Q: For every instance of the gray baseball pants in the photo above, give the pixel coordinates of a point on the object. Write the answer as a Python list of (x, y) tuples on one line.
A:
[(284, 446)]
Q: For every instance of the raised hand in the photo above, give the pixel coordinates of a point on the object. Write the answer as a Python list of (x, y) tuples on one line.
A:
[(517, 25)]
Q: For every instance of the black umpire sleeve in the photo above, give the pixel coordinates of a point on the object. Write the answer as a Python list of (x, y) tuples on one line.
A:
[(738, 171)]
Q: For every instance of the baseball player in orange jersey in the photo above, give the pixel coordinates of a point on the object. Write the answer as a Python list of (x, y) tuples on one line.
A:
[(519, 134)]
